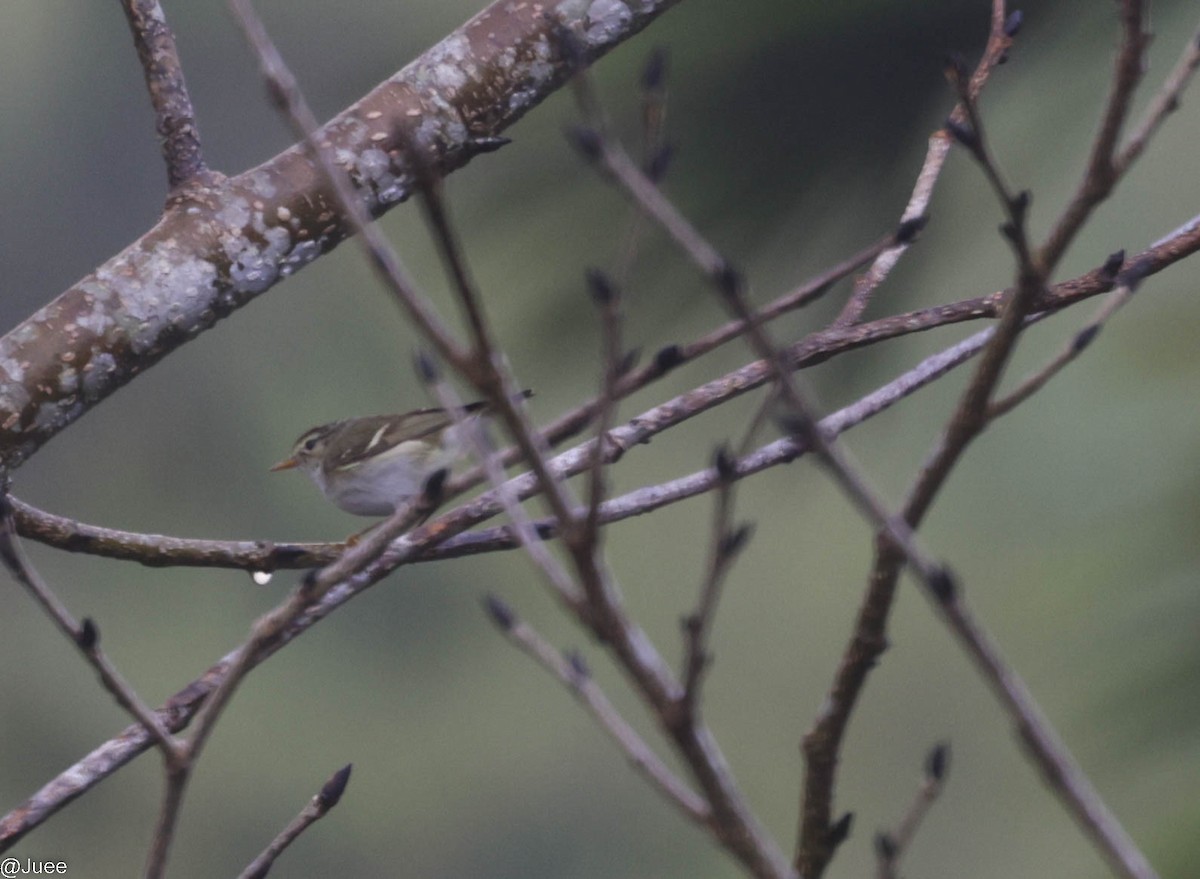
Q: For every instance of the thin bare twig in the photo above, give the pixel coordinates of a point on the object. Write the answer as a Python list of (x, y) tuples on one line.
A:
[(1165, 102), (607, 297), (725, 544), (268, 631), (574, 675), (891, 846), (1104, 168), (1128, 282), (85, 636), (527, 536), (175, 119), (320, 805)]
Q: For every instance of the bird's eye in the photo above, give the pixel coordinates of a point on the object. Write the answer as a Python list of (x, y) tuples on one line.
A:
[(310, 444)]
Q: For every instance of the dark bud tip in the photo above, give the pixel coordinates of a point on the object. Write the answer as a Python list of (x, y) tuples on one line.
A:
[(963, 133), (954, 65), (435, 486), (1133, 276), (426, 366), (736, 541), (1012, 24), (578, 665), (489, 144), (908, 230), (587, 141), (654, 74), (943, 585), (1112, 265), (88, 635), (656, 167), (1010, 232), (937, 762), (545, 530), (502, 615), (727, 278), (1084, 338), (600, 286), (724, 463), (333, 789), (668, 358), (839, 831), (1021, 201), (885, 846)]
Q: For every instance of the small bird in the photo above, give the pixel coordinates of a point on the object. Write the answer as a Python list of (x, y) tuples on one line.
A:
[(369, 466)]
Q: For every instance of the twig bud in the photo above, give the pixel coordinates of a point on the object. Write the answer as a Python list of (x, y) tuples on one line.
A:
[(724, 463), (668, 358), (1020, 203), (579, 666), (332, 790), (963, 133), (839, 831), (1112, 264), (1085, 337), (943, 585), (937, 762), (885, 846), (1012, 24), (727, 278), (426, 367), (736, 541), (908, 229), (502, 615), (88, 635), (600, 286)]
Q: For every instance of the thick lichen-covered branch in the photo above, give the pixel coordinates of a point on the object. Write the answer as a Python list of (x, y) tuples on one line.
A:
[(224, 244)]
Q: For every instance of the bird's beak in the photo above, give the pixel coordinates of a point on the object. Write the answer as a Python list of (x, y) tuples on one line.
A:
[(286, 464)]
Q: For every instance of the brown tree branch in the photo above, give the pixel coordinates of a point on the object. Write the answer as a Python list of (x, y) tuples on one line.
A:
[(175, 120)]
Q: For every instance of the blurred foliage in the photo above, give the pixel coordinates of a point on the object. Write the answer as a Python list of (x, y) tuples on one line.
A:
[(799, 128)]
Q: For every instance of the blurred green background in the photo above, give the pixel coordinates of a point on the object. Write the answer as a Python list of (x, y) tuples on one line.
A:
[(799, 129)]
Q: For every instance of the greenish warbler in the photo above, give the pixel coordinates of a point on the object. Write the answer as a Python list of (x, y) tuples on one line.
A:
[(369, 466)]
